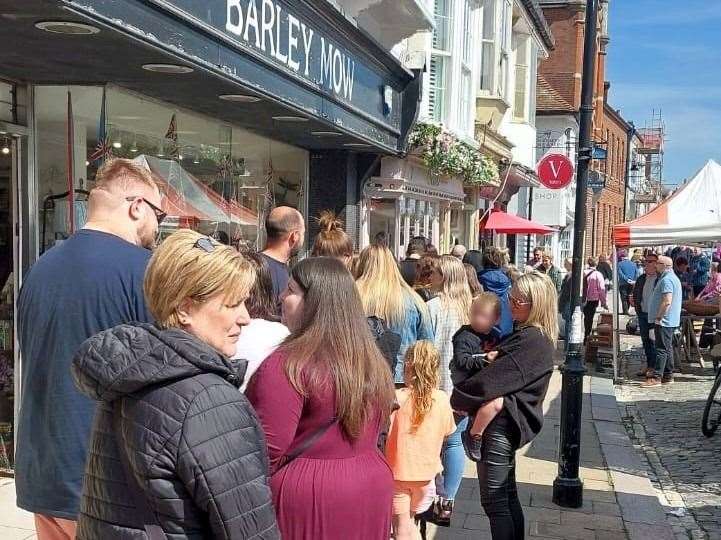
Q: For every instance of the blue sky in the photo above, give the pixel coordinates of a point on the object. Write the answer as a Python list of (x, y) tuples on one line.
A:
[(666, 54)]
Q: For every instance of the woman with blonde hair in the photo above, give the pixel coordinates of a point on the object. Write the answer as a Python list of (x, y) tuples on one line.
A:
[(520, 373), (322, 398), (423, 420), (386, 295), (449, 310), (170, 411)]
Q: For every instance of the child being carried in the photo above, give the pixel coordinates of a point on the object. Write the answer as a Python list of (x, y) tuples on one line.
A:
[(473, 348)]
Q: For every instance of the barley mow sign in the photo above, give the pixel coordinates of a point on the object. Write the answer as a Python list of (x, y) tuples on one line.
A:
[(267, 27)]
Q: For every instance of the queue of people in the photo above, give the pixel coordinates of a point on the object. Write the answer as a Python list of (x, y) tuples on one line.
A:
[(199, 391)]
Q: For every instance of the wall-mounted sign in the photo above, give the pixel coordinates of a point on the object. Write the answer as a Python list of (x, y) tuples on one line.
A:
[(596, 181), (599, 152), (555, 171)]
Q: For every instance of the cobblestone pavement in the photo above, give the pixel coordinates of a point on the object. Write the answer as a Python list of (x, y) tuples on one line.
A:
[(664, 423)]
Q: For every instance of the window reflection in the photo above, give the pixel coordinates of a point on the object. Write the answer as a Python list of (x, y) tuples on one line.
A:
[(217, 179)]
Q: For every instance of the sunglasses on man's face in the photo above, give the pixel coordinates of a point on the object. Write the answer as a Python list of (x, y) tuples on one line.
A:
[(159, 214)]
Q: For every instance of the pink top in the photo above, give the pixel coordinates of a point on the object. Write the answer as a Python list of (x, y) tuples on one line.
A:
[(595, 286), (712, 290)]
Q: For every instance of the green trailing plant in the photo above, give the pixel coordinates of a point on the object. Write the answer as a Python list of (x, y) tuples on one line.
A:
[(445, 155)]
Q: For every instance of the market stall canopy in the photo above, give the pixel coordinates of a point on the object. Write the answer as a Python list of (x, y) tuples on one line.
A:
[(501, 222), (186, 196), (692, 214)]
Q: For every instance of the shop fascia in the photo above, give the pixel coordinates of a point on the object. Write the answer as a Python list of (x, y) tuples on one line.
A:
[(300, 49)]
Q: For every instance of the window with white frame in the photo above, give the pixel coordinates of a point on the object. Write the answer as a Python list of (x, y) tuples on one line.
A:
[(505, 43), (532, 78), (440, 69), (520, 100), (465, 119), (488, 47)]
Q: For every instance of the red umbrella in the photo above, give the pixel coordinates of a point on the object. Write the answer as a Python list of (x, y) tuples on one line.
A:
[(501, 222)]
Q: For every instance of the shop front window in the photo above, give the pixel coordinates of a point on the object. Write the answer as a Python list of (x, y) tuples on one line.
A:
[(216, 178)]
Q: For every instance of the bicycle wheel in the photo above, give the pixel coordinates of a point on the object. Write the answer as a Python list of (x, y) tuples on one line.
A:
[(712, 411)]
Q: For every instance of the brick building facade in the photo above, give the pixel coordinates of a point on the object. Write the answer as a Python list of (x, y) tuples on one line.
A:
[(560, 84)]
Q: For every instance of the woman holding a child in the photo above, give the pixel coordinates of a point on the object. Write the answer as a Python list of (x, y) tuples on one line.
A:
[(518, 370)]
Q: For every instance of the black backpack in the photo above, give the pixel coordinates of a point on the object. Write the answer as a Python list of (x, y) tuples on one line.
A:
[(387, 341)]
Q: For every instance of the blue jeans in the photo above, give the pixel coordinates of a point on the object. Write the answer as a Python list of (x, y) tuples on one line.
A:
[(454, 461), (567, 314), (649, 347)]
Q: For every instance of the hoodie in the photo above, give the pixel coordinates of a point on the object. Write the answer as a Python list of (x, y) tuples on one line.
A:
[(192, 439), (497, 281)]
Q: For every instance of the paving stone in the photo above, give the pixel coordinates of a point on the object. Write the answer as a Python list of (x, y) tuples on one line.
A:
[(570, 532), (596, 522), (606, 509), (664, 424)]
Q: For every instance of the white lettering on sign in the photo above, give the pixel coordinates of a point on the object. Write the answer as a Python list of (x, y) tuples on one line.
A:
[(263, 28), (555, 167)]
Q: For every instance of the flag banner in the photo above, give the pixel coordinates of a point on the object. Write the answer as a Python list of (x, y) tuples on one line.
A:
[(172, 135), (103, 150)]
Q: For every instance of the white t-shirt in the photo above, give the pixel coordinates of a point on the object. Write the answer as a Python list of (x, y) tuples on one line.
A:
[(257, 342)]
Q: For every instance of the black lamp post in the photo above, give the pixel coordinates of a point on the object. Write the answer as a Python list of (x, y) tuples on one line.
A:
[(568, 487)]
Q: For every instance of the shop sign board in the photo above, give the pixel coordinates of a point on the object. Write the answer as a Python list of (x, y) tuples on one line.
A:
[(290, 50), (555, 171), (282, 34)]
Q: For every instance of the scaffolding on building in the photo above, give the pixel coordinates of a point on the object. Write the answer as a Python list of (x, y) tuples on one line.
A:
[(647, 164)]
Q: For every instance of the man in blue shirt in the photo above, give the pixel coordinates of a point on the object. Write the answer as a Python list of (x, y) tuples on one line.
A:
[(89, 283), (665, 308), (627, 274), (700, 270)]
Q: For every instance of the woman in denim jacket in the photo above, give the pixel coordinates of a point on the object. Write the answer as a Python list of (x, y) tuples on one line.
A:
[(386, 295)]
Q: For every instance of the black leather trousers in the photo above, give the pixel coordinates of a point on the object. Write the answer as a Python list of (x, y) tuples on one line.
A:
[(497, 479)]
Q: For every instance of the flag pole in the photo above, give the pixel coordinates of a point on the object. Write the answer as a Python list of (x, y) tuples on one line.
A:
[(70, 164)]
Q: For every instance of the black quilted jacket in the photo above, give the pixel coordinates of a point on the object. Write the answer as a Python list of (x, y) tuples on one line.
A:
[(193, 441)]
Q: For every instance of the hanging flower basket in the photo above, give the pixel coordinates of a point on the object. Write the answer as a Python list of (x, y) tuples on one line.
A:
[(445, 155)]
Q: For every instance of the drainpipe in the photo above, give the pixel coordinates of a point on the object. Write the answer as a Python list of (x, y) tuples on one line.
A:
[(629, 136)]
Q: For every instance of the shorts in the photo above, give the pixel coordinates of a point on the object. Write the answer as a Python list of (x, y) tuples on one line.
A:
[(410, 496)]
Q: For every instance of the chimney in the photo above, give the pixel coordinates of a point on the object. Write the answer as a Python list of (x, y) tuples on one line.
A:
[(606, 87)]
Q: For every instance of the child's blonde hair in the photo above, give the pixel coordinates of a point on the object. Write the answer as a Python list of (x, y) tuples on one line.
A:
[(422, 364), (488, 299)]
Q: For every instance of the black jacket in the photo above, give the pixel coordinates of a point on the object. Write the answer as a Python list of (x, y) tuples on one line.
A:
[(467, 348), (192, 439), (520, 374)]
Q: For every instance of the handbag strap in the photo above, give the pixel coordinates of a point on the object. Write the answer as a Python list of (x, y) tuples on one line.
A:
[(140, 499), (306, 444)]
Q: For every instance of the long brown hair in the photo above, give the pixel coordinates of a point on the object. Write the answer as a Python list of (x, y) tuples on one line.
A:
[(332, 240), (421, 365), (261, 303), (334, 340)]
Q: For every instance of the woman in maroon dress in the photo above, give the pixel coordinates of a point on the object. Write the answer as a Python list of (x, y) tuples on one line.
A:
[(322, 398)]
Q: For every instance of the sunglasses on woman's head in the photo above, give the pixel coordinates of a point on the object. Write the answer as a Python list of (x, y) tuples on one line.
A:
[(205, 243), (517, 302)]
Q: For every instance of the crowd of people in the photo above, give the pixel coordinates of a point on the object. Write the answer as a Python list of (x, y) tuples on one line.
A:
[(193, 390)]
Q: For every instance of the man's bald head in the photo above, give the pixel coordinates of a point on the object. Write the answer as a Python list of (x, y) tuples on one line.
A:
[(285, 231), (281, 222)]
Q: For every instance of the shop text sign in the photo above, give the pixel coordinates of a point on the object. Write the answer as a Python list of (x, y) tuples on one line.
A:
[(268, 27), (555, 171)]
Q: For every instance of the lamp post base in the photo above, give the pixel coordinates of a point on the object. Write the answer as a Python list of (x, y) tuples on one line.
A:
[(568, 492)]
